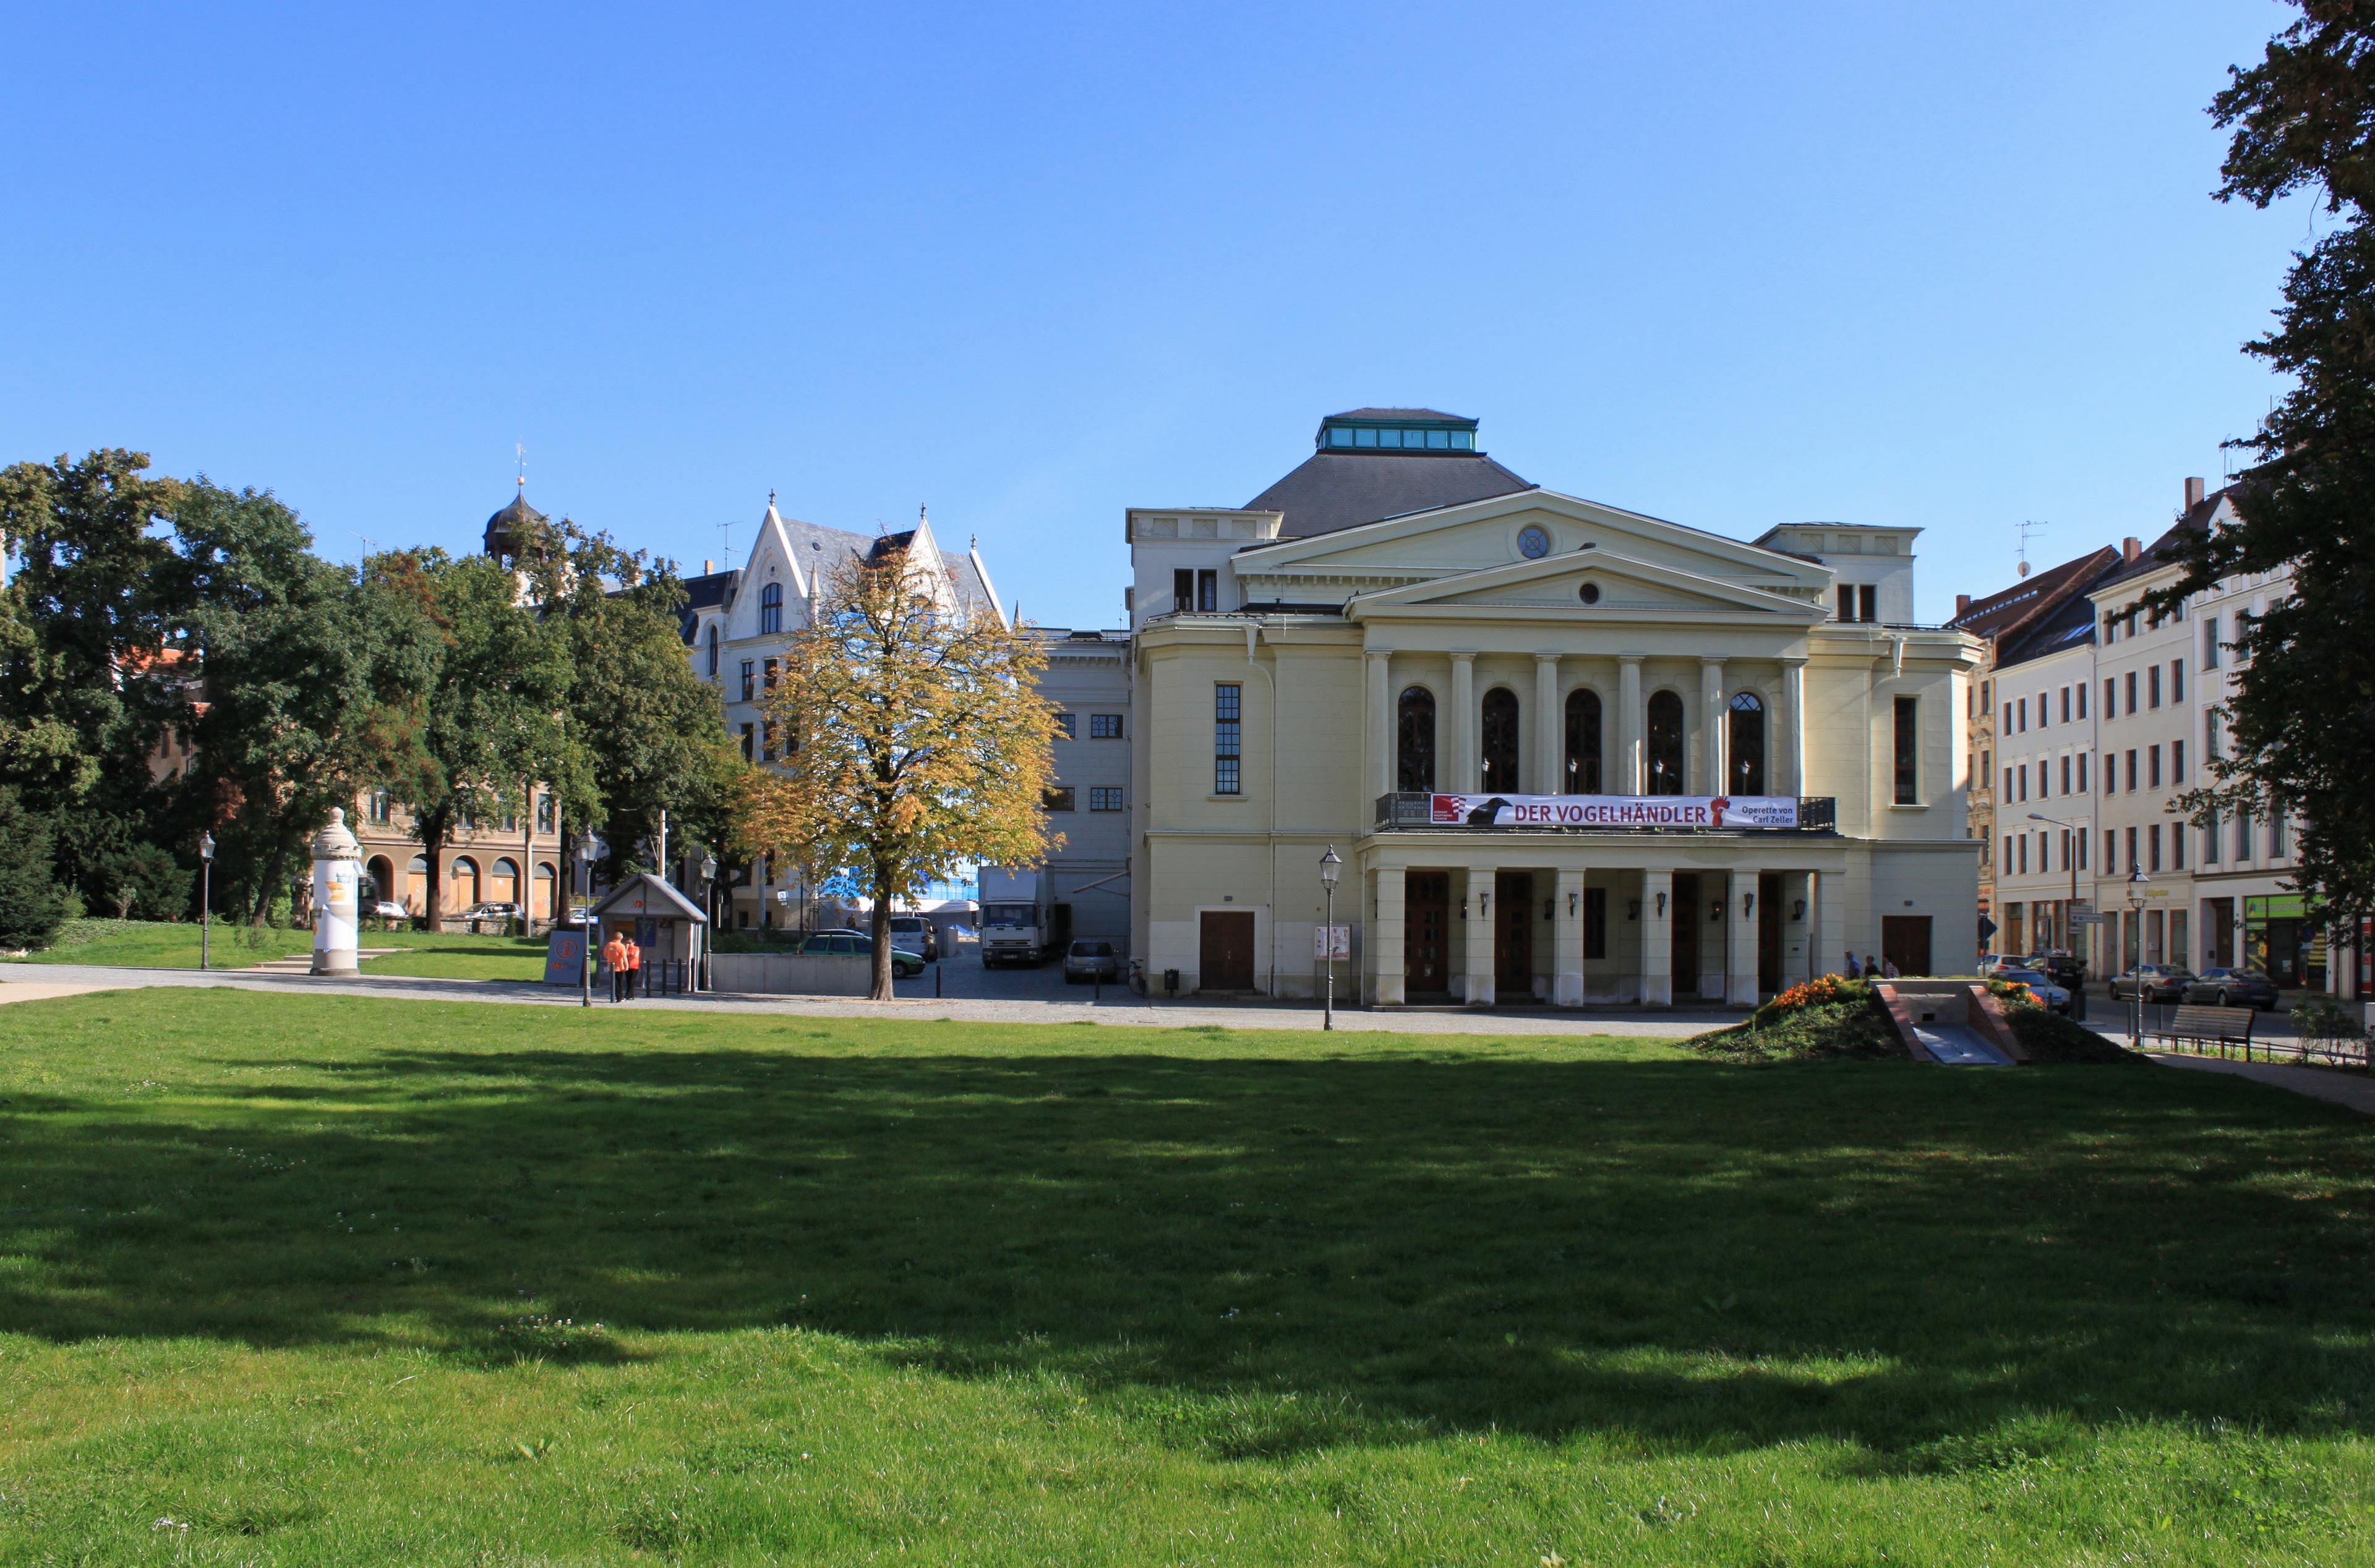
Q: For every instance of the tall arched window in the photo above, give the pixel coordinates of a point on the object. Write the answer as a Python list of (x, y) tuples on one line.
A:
[(1500, 737), (1414, 742), (1747, 744), (465, 881), (712, 649), (416, 884), (1583, 741), (771, 607), (1665, 744), (503, 886)]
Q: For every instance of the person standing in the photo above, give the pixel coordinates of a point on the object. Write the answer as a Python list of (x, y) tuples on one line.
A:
[(614, 959), (634, 966), (1855, 971)]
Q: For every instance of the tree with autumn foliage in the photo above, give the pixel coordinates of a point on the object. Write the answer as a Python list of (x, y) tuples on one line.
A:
[(914, 739)]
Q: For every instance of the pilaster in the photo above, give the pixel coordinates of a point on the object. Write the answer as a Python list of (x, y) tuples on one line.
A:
[(1740, 943), (1711, 753), (1566, 912), (1467, 766), (1657, 938), (1385, 940), (1550, 726), (1476, 916), (1382, 729), (1787, 745), (1632, 726)]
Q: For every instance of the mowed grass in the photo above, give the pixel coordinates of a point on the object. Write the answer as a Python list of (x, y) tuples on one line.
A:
[(292, 1279), (157, 944)]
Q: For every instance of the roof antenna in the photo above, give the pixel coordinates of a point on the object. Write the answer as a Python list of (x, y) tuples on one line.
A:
[(519, 451), (727, 529), (2025, 529)]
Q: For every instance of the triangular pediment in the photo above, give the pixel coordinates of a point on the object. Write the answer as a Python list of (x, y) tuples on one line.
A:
[(1585, 582)]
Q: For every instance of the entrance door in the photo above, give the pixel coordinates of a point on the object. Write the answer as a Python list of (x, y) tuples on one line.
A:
[(1225, 959), (1426, 919), (1689, 915), (1513, 936), (1905, 942), (1768, 932)]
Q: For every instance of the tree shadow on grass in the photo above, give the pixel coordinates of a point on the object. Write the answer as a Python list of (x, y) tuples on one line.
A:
[(1266, 1254)]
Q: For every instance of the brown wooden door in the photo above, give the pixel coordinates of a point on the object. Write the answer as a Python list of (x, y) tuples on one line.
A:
[(1426, 920), (1689, 915), (1905, 942), (1768, 932), (1226, 960), (1513, 936)]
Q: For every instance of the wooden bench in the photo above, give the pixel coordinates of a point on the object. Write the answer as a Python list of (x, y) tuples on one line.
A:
[(2201, 1028)]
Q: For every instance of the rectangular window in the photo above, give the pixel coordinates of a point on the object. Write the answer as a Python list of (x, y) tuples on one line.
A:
[(1104, 797), (1227, 705), (1208, 589), (2242, 838), (1059, 798), (2177, 846), (2082, 773), (2111, 698), (1867, 603), (2044, 709), (2152, 847), (2007, 859), (1104, 726), (2276, 836), (2177, 761), (379, 810), (1987, 698), (2066, 777), (2007, 720), (749, 679), (2210, 643), (2024, 854), (546, 821), (2020, 776), (767, 740), (771, 675), (2081, 690), (1847, 602), (2065, 702), (2021, 708), (1595, 922), (2151, 766), (2176, 680), (2152, 687), (2132, 770), (750, 735), (2132, 861), (1908, 750), (1183, 589), (2131, 691), (2081, 837), (2110, 849), (2110, 630), (2210, 845), (1064, 723)]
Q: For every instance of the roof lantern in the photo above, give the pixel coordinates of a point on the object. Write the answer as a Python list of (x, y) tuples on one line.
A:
[(1402, 432)]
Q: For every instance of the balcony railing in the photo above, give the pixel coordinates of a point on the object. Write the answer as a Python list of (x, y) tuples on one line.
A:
[(1405, 811)]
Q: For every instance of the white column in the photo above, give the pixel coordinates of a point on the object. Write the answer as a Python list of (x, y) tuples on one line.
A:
[(1830, 923), (1550, 726), (1567, 911), (1787, 747), (1466, 772), (1657, 939), (1711, 704), (1740, 946), (1632, 725), (1476, 904), (1382, 737), (1385, 944)]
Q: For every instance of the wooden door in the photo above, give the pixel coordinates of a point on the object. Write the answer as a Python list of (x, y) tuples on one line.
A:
[(1427, 921), (1225, 961), (1513, 936), (1768, 932), (1688, 916), (1905, 942)]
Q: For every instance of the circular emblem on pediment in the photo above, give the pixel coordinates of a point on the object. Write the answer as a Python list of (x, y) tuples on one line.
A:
[(1533, 543), (1589, 592)]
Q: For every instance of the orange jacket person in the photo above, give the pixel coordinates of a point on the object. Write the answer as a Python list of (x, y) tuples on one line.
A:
[(614, 959), (634, 963)]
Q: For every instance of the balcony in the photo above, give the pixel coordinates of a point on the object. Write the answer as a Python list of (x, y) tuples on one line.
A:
[(1650, 814)]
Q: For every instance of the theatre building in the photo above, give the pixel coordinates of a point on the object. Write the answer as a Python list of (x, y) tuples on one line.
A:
[(1566, 752)]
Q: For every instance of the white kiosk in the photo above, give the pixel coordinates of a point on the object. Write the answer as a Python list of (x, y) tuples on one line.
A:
[(338, 876)]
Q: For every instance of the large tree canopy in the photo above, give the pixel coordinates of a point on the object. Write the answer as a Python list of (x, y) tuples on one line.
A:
[(914, 738), (2301, 709)]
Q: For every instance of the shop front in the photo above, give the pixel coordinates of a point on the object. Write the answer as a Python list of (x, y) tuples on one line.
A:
[(2284, 942)]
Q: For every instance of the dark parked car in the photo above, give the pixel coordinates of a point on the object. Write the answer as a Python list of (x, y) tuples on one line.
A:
[(2156, 982), (1090, 959), (2066, 968), (905, 965), (2232, 988)]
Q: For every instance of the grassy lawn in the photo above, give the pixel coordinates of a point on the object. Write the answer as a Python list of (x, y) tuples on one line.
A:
[(148, 944), (291, 1279)]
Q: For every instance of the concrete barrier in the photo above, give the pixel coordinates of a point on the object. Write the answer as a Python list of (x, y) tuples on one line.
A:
[(792, 974)]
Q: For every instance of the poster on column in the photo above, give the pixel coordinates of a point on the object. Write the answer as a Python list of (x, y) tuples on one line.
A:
[(1615, 810)]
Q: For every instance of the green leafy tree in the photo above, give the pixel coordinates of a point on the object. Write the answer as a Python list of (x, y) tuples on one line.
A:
[(2301, 708), (31, 903), (145, 877)]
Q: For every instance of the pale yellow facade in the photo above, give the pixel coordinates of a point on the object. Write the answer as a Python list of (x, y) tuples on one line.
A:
[(1539, 595)]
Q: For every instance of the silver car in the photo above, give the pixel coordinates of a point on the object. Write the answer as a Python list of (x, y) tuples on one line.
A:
[(1091, 957)]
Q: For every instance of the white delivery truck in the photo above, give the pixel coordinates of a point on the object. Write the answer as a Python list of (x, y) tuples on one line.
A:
[(1021, 922)]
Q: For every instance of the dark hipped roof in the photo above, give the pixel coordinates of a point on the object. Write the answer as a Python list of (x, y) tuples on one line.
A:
[(1344, 490), (2003, 615), (2067, 624), (1404, 414)]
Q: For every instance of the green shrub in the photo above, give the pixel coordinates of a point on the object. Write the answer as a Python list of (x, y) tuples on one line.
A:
[(1851, 1025), (2051, 1040), (31, 903)]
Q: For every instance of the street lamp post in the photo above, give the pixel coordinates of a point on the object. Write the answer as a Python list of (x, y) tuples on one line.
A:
[(1330, 868), (205, 896), (2137, 883), (585, 932), (708, 907)]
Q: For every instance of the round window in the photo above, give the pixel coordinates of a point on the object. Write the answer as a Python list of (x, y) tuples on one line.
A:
[(1589, 592), (1533, 543)]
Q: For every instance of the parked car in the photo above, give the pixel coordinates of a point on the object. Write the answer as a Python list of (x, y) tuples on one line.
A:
[(492, 912), (2063, 968), (2155, 982), (2232, 987), (1989, 963), (385, 909), (2053, 997), (917, 935), (1091, 959), (905, 965)]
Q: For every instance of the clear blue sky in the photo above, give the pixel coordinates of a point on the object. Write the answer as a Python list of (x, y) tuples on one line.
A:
[(1952, 267)]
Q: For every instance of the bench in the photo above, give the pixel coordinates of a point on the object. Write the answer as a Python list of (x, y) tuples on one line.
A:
[(2201, 1028)]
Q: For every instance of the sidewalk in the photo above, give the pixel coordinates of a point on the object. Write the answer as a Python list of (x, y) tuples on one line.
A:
[(2354, 1089), (1116, 1007)]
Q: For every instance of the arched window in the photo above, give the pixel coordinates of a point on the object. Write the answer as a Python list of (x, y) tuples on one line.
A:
[(1414, 742), (712, 649), (465, 881), (1582, 742), (1665, 744), (546, 905), (1500, 737), (506, 887), (771, 607), (416, 884), (383, 877), (1747, 744)]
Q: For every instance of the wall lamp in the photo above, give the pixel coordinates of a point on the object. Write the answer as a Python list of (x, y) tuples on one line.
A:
[(1463, 906), (1715, 911), (1661, 906), (1798, 910), (1747, 904), (1570, 906), (1483, 904)]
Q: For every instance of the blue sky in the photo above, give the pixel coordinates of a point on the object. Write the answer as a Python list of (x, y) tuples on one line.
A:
[(1952, 267)]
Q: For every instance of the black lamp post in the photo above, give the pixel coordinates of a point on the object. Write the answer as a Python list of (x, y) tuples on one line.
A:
[(708, 907), (205, 896), (2137, 882), (1330, 868), (585, 928)]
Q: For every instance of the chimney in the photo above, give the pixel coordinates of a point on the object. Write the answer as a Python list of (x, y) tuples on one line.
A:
[(2193, 489), (1962, 604), (2130, 548), (707, 567)]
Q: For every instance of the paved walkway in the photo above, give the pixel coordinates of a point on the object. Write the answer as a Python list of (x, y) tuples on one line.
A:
[(2355, 1089), (1116, 1007), (42, 990)]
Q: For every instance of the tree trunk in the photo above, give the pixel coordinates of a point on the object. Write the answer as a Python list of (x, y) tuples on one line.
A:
[(271, 881), (883, 991), (432, 832)]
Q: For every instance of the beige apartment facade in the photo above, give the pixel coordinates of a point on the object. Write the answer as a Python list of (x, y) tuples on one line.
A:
[(1336, 688)]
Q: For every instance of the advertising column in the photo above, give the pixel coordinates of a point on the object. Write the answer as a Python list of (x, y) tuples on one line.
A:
[(337, 875)]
